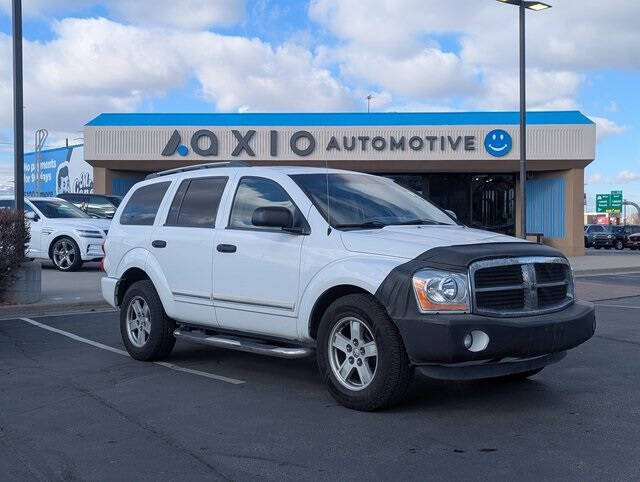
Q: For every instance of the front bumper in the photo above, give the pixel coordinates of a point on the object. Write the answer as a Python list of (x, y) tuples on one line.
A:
[(439, 339), (604, 243), (91, 249)]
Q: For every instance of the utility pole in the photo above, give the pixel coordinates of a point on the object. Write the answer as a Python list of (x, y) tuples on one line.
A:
[(523, 131), (18, 120), (369, 97)]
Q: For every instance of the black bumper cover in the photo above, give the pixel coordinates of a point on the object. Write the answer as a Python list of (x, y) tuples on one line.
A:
[(433, 339)]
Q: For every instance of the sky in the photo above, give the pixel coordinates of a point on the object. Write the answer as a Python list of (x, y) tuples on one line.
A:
[(84, 57)]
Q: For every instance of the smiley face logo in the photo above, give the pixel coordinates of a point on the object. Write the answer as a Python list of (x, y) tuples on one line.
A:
[(498, 143)]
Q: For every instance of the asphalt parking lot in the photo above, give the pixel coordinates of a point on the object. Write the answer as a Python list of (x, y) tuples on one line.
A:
[(74, 406)]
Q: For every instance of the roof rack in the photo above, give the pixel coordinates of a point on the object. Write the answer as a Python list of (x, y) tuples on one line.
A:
[(196, 167)]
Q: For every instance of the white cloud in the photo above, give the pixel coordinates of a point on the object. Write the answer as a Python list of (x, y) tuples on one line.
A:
[(98, 65), (185, 14), (606, 127), (593, 179), (626, 176)]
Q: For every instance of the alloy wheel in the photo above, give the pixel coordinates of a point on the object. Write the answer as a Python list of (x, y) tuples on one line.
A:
[(64, 254), (138, 321), (353, 353)]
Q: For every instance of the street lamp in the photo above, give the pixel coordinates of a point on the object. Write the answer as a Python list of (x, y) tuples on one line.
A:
[(536, 6)]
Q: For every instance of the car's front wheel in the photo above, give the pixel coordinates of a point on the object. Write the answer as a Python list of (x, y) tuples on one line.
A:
[(147, 331), (65, 254), (361, 355), (619, 244)]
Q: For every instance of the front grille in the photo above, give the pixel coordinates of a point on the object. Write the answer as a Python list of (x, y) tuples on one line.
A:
[(520, 286)]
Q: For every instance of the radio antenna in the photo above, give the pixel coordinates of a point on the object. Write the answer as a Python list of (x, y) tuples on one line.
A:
[(326, 166)]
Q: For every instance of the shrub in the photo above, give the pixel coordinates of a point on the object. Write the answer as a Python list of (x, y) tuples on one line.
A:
[(14, 231)]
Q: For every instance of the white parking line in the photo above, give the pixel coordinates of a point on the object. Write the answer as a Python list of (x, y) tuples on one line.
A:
[(96, 344)]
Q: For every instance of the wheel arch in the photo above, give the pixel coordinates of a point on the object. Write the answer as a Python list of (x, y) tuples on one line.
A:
[(129, 277), (325, 300)]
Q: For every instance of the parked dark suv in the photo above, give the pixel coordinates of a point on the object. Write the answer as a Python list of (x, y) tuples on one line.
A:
[(590, 230), (97, 205), (611, 237)]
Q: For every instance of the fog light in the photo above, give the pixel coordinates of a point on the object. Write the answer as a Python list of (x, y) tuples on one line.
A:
[(476, 341)]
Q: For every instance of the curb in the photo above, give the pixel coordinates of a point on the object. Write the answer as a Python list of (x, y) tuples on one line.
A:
[(16, 311)]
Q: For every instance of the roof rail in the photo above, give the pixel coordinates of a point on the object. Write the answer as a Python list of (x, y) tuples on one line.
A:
[(198, 166)]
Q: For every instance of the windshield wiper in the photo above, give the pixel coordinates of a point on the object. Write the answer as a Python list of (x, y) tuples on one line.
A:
[(418, 222), (365, 225)]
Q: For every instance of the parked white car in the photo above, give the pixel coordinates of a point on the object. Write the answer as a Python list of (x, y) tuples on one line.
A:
[(369, 276), (61, 232)]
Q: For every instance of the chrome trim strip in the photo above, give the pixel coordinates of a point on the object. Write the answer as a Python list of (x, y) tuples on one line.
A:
[(529, 286), (254, 302), (189, 295)]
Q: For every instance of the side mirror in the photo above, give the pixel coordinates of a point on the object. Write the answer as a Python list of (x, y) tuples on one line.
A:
[(272, 217), (451, 213), (31, 216)]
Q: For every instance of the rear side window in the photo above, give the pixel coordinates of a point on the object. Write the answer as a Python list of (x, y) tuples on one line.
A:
[(196, 202), (143, 204)]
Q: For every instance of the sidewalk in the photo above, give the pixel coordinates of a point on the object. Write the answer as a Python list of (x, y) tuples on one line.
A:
[(63, 293), (605, 262)]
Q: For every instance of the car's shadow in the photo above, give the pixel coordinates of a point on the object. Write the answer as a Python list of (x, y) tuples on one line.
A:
[(424, 394)]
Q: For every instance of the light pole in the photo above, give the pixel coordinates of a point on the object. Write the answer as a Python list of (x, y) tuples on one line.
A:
[(522, 5), (18, 122), (369, 97)]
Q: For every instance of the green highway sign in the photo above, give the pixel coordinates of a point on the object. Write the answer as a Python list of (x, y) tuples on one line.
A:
[(603, 203), (616, 201)]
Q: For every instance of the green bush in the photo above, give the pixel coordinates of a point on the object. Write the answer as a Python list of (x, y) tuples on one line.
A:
[(14, 231)]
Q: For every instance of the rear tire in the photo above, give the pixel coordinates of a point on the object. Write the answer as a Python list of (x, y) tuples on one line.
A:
[(354, 376), (147, 331), (619, 245)]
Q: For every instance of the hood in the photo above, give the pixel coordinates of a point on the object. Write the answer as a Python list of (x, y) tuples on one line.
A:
[(81, 223), (411, 241)]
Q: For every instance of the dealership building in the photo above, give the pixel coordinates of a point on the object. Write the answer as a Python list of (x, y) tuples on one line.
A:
[(464, 161)]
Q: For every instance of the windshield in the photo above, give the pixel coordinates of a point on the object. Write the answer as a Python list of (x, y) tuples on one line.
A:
[(115, 200), (360, 201), (58, 208)]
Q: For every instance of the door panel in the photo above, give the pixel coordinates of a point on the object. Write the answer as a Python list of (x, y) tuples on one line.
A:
[(257, 268)]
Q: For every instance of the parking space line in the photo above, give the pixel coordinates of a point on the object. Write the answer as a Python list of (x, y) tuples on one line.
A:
[(96, 344)]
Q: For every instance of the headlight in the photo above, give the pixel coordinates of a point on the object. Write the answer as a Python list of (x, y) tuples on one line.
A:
[(438, 291), (88, 233)]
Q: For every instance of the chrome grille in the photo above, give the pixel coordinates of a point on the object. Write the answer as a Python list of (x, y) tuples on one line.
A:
[(520, 286)]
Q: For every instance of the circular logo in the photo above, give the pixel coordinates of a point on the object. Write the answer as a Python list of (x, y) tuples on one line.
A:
[(498, 143)]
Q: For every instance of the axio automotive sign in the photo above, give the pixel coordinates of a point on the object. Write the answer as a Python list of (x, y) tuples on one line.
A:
[(302, 143)]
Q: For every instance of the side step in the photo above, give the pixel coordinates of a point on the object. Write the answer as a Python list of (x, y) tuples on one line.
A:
[(251, 345)]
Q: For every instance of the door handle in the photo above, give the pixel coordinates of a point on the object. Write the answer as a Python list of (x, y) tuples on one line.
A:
[(158, 243), (226, 248)]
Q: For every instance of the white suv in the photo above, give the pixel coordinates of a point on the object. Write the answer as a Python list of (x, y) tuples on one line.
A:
[(372, 278), (61, 232)]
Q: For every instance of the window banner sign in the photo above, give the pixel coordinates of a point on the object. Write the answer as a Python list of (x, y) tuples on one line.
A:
[(61, 170)]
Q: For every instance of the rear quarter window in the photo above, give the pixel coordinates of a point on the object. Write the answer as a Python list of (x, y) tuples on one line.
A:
[(142, 207)]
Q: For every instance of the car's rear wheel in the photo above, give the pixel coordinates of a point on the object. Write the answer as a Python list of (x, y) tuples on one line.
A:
[(619, 244), (147, 331), (65, 254), (361, 355)]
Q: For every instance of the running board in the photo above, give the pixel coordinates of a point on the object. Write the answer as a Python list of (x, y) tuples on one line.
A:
[(250, 345)]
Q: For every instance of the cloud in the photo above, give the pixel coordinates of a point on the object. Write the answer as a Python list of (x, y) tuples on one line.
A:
[(593, 179), (606, 128), (184, 14), (625, 176)]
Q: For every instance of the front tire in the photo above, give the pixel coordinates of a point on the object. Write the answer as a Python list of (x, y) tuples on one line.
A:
[(361, 356), (65, 254), (146, 330), (619, 245)]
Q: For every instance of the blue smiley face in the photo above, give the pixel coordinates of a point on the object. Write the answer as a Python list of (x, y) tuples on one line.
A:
[(498, 143)]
